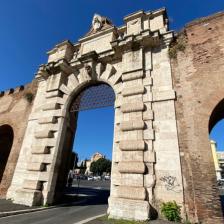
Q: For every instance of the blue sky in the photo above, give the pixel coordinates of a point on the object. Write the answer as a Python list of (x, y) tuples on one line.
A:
[(29, 28)]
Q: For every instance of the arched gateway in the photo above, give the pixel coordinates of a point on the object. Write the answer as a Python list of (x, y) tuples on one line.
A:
[(152, 161)]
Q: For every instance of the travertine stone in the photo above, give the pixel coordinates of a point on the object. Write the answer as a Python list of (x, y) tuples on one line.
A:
[(32, 184), (128, 179), (149, 156), (132, 60), (149, 134), (73, 81), (54, 82), (109, 71), (53, 94), (133, 90), (40, 149), (148, 115), (131, 167), (47, 120), (135, 193), (164, 95), (149, 180), (132, 125), (51, 106), (128, 209), (133, 75), (35, 167), (133, 145), (28, 197), (131, 156), (44, 134), (132, 107), (65, 89)]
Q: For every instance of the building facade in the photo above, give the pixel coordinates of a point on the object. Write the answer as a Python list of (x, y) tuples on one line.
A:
[(96, 156), (163, 115)]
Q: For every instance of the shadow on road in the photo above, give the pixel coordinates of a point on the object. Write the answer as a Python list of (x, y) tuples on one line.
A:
[(86, 196)]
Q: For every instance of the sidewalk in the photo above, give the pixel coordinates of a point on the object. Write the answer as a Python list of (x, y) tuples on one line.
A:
[(104, 220), (97, 221), (8, 206)]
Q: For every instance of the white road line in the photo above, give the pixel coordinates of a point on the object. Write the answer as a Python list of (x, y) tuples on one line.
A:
[(89, 219)]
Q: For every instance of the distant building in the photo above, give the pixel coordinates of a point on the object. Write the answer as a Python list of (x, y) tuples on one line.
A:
[(218, 161), (94, 158)]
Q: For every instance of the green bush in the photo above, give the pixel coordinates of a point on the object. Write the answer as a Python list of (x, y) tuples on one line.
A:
[(29, 97), (171, 211)]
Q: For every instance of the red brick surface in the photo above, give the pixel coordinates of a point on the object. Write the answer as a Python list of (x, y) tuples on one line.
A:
[(18, 122), (198, 77)]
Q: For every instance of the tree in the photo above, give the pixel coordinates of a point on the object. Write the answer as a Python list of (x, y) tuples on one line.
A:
[(100, 166)]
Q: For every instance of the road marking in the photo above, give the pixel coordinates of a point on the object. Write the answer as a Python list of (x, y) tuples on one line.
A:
[(90, 219)]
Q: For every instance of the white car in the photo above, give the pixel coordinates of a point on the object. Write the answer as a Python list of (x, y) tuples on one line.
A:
[(107, 177), (97, 178), (90, 178)]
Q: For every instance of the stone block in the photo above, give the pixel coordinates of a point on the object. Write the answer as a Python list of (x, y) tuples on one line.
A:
[(54, 82), (131, 156), (35, 166), (148, 115), (149, 180), (28, 197), (132, 107), (149, 134), (44, 134), (51, 106), (132, 76), (132, 125), (52, 94), (132, 61), (134, 90), (40, 149), (134, 193), (134, 145), (127, 179), (32, 184), (131, 167), (149, 156), (164, 95), (121, 208), (47, 120)]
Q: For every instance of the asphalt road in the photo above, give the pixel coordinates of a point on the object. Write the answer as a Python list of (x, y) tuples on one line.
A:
[(93, 194)]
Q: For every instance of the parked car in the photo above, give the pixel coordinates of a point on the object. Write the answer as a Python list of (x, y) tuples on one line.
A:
[(90, 178), (97, 177), (107, 177)]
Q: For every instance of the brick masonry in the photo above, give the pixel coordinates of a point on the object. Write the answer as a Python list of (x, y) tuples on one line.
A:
[(14, 111), (198, 77)]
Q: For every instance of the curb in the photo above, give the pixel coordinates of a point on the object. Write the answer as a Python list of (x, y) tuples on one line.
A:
[(18, 212)]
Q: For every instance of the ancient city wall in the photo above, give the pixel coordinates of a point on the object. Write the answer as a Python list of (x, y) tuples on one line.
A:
[(15, 108), (198, 76)]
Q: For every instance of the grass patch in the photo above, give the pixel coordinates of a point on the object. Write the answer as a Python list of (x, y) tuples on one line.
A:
[(106, 220)]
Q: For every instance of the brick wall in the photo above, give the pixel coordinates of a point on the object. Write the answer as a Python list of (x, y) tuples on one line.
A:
[(14, 111), (198, 77)]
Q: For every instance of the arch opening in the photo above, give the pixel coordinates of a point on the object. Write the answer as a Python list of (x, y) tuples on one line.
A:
[(88, 138), (216, 130), (6, 142)]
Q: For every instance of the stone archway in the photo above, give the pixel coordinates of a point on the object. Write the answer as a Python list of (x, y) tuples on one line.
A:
[(134, 61), (6, 141)]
